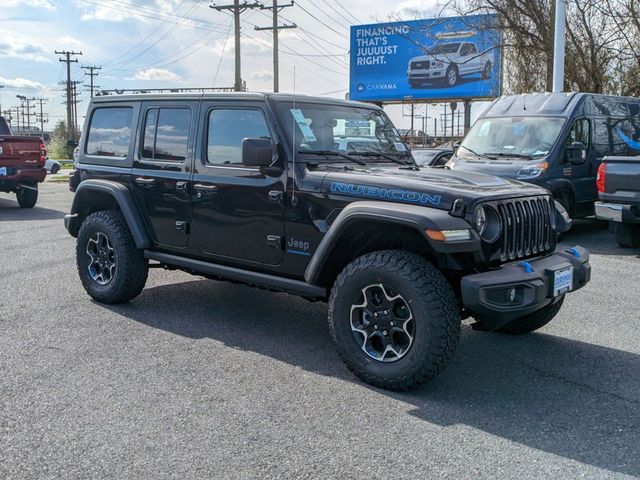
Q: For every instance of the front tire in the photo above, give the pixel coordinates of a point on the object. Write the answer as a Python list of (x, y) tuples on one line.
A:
[(26, 197), (394, 319), (452, 76), (112, 269), (533, 321), (55, 168)]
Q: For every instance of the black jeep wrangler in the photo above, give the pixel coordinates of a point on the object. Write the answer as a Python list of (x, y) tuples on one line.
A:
[(319, 198)]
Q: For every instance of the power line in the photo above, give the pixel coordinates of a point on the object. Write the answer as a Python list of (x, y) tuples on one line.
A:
[(237, 10), (318, 20), (275, 9)]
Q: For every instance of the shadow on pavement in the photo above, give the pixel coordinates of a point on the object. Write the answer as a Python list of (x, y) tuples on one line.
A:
[(565, 397), (595, 237), (9, 210)]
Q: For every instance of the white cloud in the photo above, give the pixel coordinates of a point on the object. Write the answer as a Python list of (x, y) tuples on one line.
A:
[(69, 41), (30, 3), (17, 45), (262, 75), (156, 74), (22, 84)]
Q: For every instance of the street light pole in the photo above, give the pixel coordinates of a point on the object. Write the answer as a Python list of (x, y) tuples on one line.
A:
[(558, 46)]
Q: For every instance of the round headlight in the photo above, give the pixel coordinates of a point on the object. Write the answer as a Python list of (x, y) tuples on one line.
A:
[(486, 222), (480, 220)]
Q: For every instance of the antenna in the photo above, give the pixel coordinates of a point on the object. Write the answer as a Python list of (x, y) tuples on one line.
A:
[(294, 200)]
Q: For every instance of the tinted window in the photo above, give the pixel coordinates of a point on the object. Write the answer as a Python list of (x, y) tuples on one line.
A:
[(110, 132), (166, 134), (579, 132), (227, 129)]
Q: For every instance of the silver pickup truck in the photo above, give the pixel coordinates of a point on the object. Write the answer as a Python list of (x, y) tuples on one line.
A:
[(618, 184)]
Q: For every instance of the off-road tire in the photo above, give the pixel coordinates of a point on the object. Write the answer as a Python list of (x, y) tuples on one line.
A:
[(533, 321), (131, 267), (26, 197), (433, 305), (627, 235)]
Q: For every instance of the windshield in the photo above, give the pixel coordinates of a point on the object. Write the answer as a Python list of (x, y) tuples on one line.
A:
[(444, 48), (343, 129), (517, 136)]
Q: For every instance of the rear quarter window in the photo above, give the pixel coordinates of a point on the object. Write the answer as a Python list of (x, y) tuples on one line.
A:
[(110, 132)]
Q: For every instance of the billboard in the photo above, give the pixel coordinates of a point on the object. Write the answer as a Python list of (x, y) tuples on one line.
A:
[(431, 59)]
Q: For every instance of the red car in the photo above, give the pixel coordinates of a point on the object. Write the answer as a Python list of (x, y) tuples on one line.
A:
[(21, 165)]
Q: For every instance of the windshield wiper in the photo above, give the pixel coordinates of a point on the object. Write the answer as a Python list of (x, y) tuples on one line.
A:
[(380, 155), (479, 155), (327, 153), (517, 155)]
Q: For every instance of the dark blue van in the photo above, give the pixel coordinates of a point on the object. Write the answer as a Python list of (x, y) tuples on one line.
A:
[(555, 140)]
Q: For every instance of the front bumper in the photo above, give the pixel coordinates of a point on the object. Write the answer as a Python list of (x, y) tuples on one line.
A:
[(489, 295), (617, 212), (424, 74)]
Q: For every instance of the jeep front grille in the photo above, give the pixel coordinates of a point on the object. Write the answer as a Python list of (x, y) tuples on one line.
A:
[(526, 227)]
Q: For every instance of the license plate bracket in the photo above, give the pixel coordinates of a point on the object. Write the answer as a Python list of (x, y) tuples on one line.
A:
[(562, 281)]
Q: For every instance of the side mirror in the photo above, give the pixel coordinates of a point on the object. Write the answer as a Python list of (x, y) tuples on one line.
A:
[(257, 152), (576, 153), (455, 146)]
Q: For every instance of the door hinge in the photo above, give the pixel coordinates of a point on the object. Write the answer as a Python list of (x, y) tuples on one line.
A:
[(274, 241), (182, 227), (276, 197)]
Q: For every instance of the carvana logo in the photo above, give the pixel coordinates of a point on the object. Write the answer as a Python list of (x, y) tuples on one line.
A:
[(369, 191)]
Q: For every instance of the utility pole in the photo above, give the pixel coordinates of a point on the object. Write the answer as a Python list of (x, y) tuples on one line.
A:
[(69, 61), (275, 8), (237, 9), (41, 101), (24, 100), (18, 119), (92, 73)]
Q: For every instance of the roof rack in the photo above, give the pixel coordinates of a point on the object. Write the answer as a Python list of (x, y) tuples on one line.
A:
[(164, 90)]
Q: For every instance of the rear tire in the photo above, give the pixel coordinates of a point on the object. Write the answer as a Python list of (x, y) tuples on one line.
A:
[(627, 235), (422, 305), (533, 321), (26, 197), (112, 269), (55, 169)]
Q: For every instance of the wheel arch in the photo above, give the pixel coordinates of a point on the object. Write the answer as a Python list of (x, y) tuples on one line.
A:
[(94, 195), (364, 227)]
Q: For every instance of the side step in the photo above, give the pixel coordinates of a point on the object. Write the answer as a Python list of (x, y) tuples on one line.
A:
[(288, 285)]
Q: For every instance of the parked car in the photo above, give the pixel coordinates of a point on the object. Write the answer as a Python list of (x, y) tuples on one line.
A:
[(22, 160), (446, 63), (253, 188), (555, 140), (618, 185), (431, 157), (52, 166)]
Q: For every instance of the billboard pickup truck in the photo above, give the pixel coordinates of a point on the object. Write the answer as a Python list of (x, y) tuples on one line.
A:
[(446, 63), (22, 161), (618, 185)]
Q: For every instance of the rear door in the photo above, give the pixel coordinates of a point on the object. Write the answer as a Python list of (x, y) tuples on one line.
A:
[(161, 169), (237, 211)]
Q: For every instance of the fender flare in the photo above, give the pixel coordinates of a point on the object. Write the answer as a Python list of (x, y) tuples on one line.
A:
[(416, 217), (122, 196)]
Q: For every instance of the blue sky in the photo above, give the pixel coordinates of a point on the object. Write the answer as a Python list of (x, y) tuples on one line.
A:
[(162, 43)]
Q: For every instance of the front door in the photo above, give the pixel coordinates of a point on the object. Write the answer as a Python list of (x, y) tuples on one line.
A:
[(237, 211), (161, 169), (582, 175)]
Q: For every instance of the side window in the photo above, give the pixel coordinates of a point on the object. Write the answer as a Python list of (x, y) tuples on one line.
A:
[(166, 134), (464, 50), (472, 49), (110, 132), (227, 129), (579, 132)]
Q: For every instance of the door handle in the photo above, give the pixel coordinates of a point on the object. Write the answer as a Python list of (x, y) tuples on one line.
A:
[(204, 189), (145, 182), (182, 186)]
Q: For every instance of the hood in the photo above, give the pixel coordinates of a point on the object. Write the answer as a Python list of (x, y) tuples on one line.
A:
[(431, 187), (434, 58), (502, 167)]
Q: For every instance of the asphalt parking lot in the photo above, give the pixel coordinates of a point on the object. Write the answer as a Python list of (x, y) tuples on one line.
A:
[(202, 379)]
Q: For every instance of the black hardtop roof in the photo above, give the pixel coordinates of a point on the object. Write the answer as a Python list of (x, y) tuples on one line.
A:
[(543, 104), (240, 96)]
